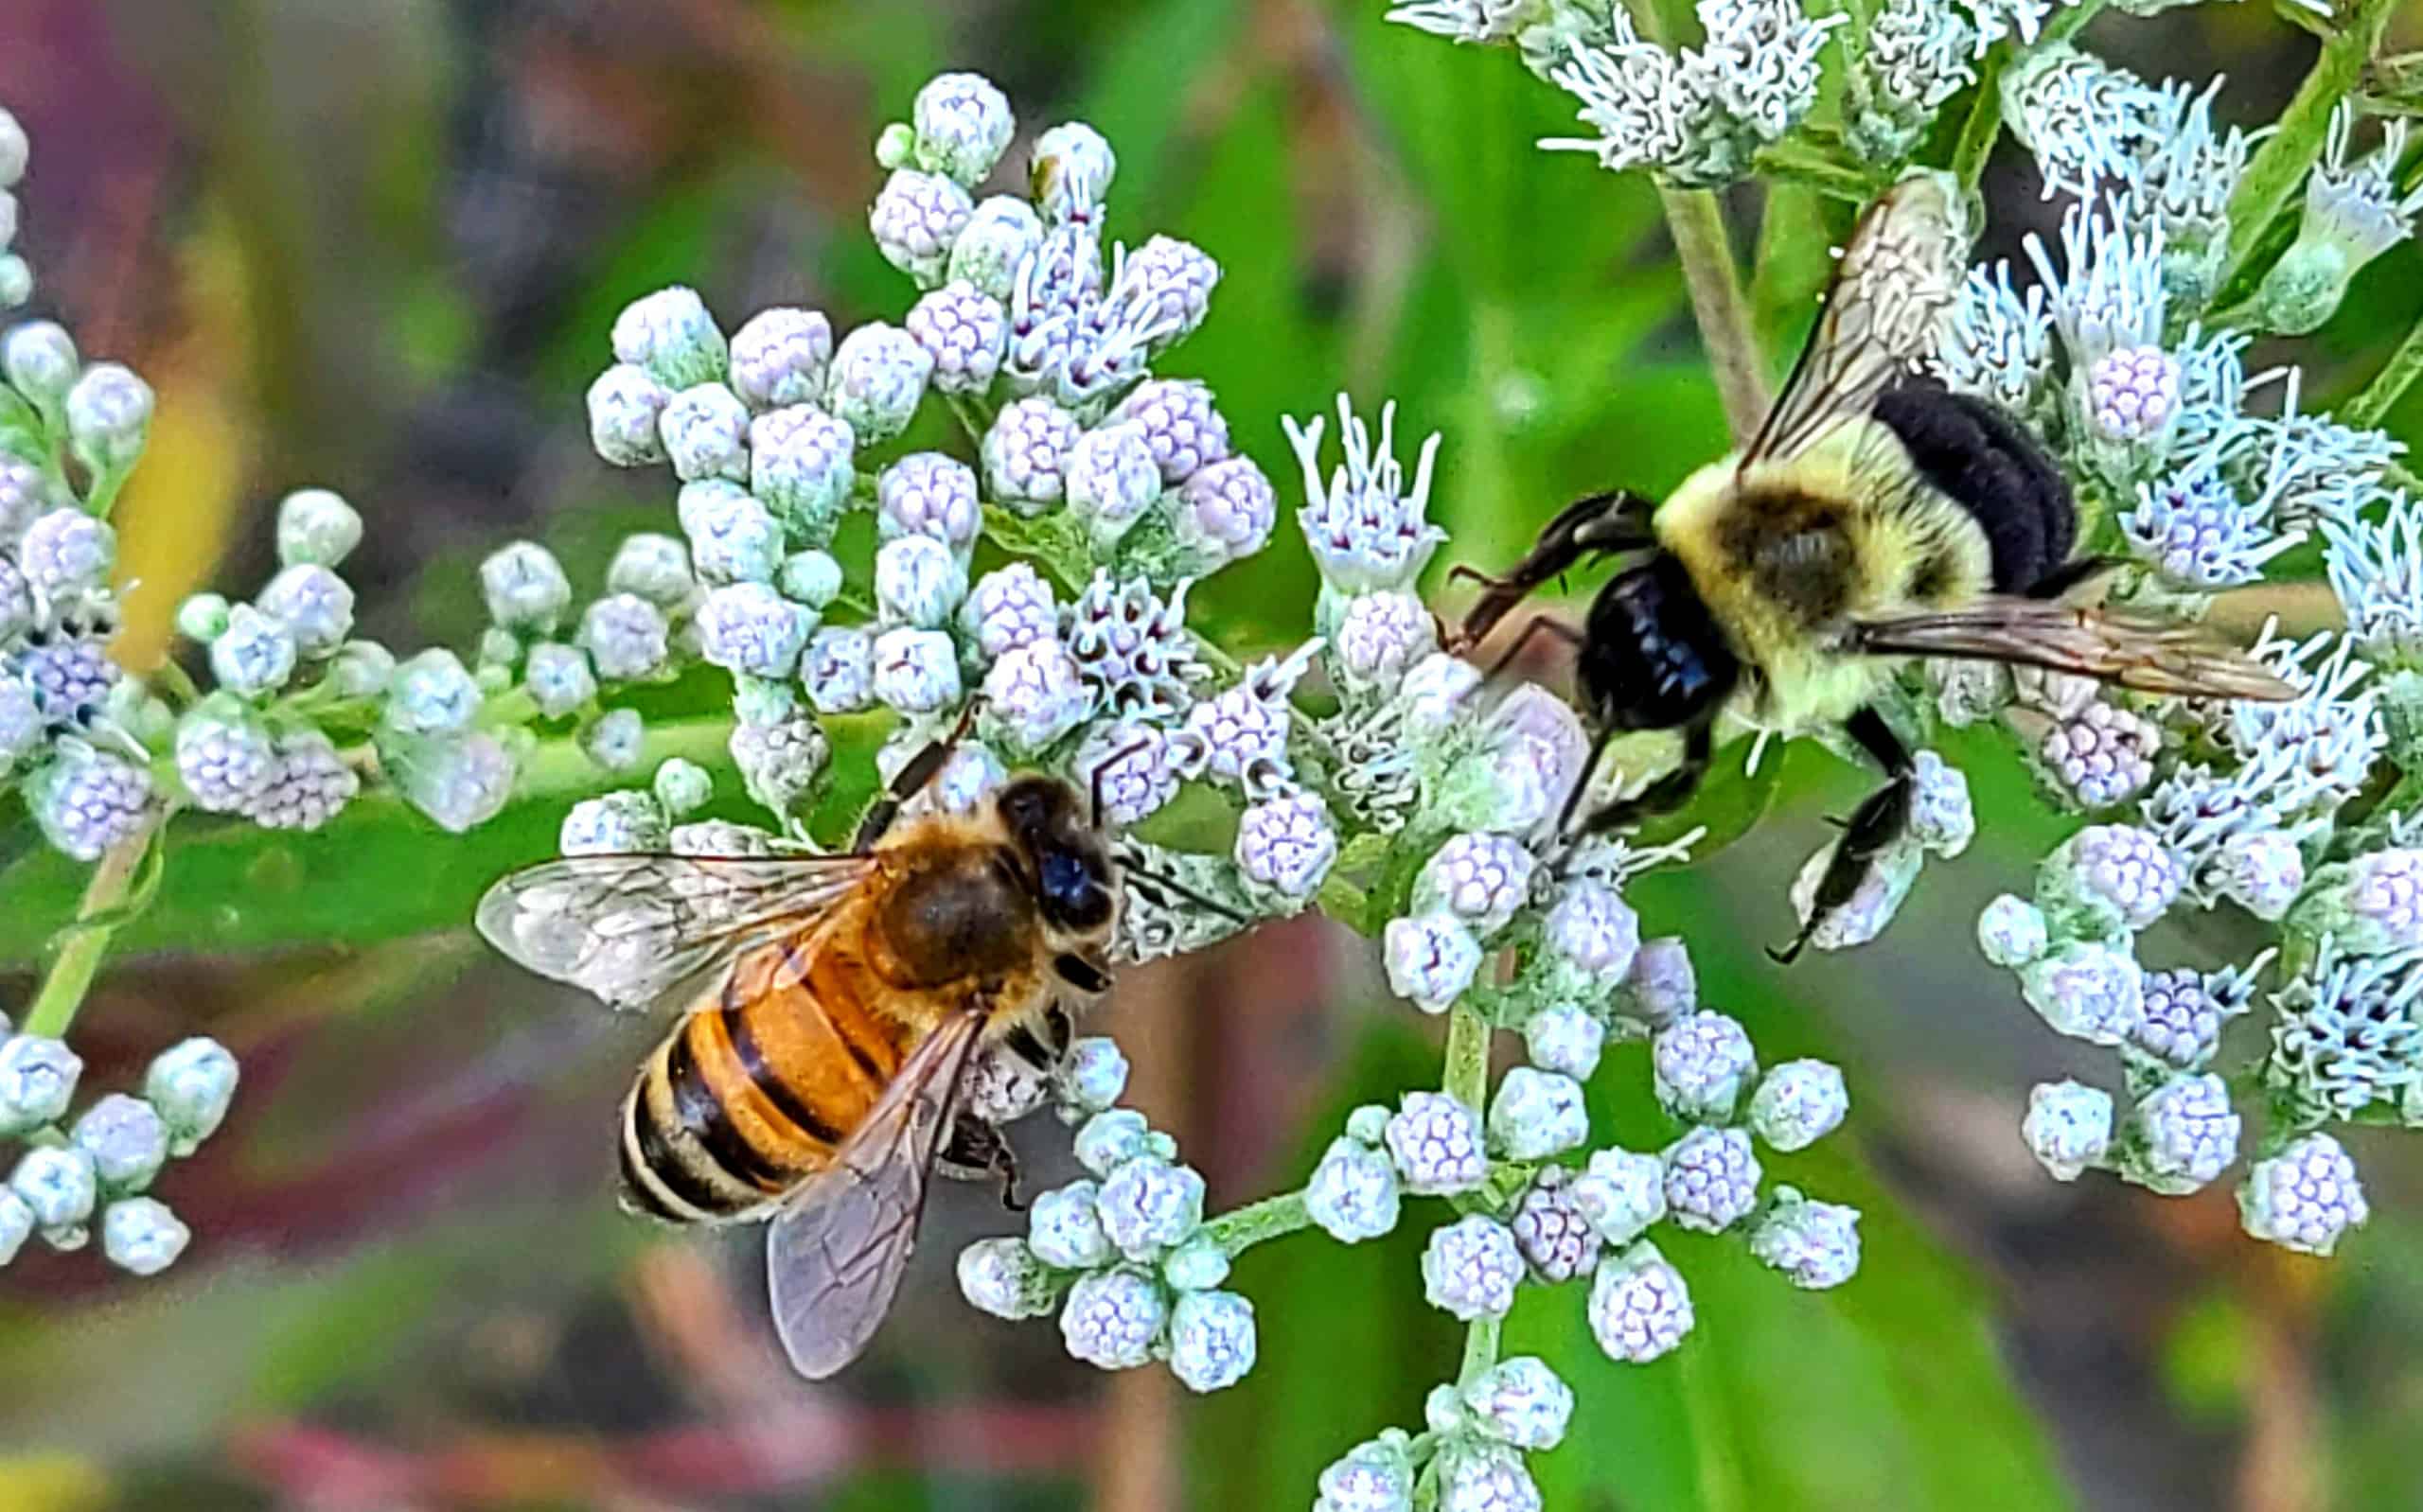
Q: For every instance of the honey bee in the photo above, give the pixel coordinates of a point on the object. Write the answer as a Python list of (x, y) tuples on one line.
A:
[(836, 1008), (1875, 517)]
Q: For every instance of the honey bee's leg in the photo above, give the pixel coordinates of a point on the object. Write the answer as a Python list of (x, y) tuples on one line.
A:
[(1663, 795), (1613, 522), (979, 1152), (1874, 827), (919, 770)]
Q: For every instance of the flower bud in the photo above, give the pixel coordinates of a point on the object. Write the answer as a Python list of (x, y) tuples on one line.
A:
[(1639, 1309), (2068, 1127), (109, 416), (1814, 1244), (625, 412), (255, 655), (962, 125), (1112, 1318), (126, 1138), (998, 237), (1062, 1228), (1536, 1115), (1711, 1179), (780, 358), (38, 1077), (1000, 1277), (141, 1235), (1471, 1267), (526, 587), (1353, 1194), (878, 378), (671, 335), (39, 359), (431, 695), (614, 739)]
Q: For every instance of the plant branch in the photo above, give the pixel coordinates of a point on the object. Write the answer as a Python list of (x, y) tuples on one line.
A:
[(2281, 163), (1714, 281), (1256, 1223), (2377, 399), (1984, 126), (88, 938)]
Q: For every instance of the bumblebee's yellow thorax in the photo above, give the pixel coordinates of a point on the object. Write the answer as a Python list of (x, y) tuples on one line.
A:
[(1787, 554)]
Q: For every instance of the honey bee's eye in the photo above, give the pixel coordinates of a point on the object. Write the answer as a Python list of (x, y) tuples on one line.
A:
[(1074, 893)]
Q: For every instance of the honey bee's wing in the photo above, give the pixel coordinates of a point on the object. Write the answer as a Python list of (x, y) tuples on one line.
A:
[(1898, 275), (633, 928), (2142, 652), (835, 1254)]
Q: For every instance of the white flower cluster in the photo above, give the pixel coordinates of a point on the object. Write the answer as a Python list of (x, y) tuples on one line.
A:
[(1120, 486), (1123, 1253), (1695, 116), (95, 1171)]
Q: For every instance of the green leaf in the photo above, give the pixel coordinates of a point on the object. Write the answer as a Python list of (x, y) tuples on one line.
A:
[(380, 869), (1730, 801)]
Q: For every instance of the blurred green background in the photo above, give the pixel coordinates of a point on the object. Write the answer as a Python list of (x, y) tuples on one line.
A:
[(377, 244)]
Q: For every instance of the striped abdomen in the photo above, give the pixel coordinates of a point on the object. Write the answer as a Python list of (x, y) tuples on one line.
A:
[(755, 1090)]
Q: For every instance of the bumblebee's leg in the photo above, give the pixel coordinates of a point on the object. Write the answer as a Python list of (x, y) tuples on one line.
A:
[(1541, 625), (1875, 826), (1663, 795), (915, 775), (2076, 572), (1613, 522)]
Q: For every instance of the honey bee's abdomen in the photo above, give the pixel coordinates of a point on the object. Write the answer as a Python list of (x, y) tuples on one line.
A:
[(752, 1092)]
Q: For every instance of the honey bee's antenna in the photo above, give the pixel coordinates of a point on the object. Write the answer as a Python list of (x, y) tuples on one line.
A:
[(1181, 889)]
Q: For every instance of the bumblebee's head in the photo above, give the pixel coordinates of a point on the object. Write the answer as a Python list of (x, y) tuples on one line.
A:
[(1064, 853), (1652, 657)]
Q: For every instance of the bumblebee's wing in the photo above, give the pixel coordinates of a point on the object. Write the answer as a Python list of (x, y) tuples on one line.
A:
[(834, 1255), (1898, 275), (2137, 651), (632, 928)]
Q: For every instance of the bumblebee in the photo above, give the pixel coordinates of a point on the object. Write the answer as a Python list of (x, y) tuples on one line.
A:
[(1875, 517), (836, 1008)]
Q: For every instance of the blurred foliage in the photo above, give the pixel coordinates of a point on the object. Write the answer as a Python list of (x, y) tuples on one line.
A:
[(1386, 227)]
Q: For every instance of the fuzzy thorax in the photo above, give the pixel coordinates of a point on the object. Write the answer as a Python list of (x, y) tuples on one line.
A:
[(1787, 554)]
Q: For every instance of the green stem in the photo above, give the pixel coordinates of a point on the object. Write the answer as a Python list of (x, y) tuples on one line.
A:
[(1714, 281), (1481, 1351), (2371, 404), (1255, 1223), (88, 938), (1984, 126), (970, 420), (105, 491), (2281, 163), (1467, 1079), (1803, 163)]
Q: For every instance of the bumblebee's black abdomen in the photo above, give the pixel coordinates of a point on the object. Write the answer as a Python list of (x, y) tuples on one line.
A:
[(1991, 464)]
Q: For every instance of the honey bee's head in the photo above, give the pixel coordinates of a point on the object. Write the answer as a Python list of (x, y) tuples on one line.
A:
[(1075, 882)]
